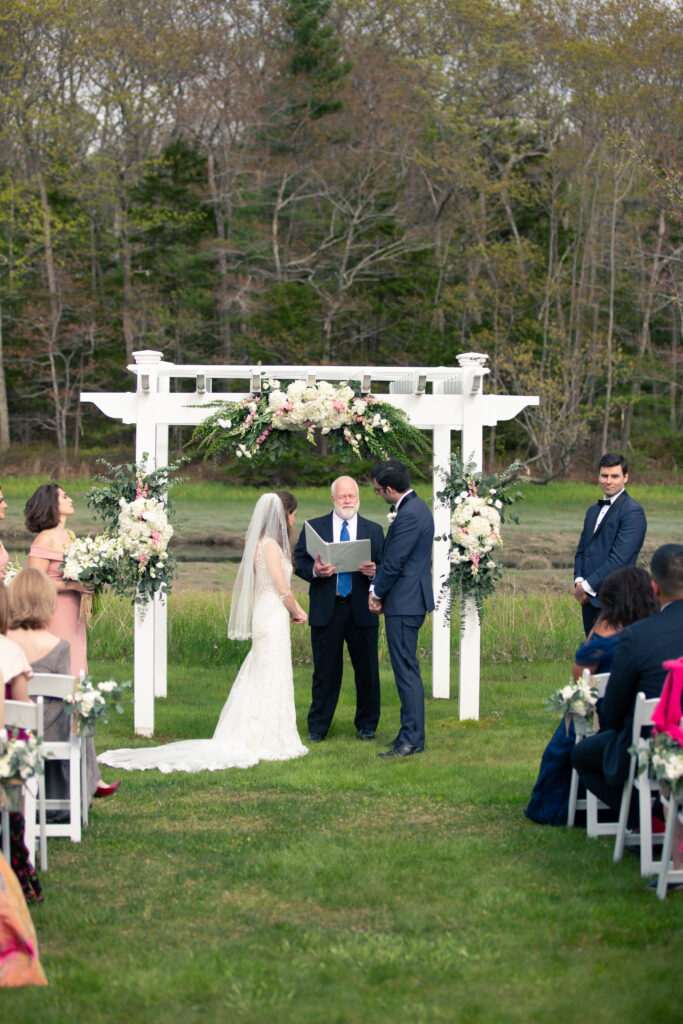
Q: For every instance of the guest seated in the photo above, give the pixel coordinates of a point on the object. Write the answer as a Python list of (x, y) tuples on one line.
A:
[(32, 599), (603, 760), (19, 963), (626, 597), (14, 668)]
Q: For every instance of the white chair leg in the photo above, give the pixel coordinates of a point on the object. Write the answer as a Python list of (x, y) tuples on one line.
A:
[(667, 849), (75, 793), (30, 794), (4, 817), (573, 793), (84, 782)]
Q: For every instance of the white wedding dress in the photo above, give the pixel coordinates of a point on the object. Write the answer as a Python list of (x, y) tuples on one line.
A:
[(258, 720)]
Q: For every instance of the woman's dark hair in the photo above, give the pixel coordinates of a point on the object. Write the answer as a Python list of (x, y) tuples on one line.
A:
[(290, 504), (627, 597), (4, 609), (42, 509)]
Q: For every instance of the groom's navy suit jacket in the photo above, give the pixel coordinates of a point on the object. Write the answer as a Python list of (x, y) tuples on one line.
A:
[(322, 591), (403, 582), (616, 542)]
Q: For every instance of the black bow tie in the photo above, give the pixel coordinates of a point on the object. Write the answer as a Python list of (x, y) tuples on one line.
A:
[(392, 508), (604, 501)]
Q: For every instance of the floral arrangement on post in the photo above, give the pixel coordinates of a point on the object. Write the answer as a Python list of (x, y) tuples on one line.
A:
[(93, 702), (577, 701), (134, 504), (264, 424), (20, 759), (663, 758), (478, 508)]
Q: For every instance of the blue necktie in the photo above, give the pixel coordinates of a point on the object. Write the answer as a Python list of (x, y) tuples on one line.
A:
[(344, 578)]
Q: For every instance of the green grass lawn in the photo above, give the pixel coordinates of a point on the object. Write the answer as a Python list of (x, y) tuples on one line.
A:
[(345, 888)]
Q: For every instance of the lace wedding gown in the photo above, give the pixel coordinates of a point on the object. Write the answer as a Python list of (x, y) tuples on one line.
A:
[(258, 720)]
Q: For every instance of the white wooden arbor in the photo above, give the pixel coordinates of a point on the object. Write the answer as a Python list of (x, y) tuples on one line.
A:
[(456, 401)]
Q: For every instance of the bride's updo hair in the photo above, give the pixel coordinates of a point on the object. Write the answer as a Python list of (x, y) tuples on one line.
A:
[(290, 504)]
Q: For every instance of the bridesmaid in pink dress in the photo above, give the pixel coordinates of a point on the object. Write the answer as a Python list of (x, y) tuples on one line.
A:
[(4, 557), (46, 513)]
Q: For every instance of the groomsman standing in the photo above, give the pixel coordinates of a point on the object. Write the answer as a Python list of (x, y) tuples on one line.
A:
[(402, 589), (339, 613), (612, 536)]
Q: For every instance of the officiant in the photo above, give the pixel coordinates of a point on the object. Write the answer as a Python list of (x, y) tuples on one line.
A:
[(339, 613)]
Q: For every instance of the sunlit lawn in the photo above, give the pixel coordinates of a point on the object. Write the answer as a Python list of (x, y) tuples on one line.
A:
[(341, 887)]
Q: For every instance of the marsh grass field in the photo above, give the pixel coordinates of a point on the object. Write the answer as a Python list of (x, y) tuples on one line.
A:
[(339, 887)]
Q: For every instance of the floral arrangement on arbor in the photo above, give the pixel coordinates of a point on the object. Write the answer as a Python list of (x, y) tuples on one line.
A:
[(478, 508), (134, 504), (263, 425), (20, 759), (663, 758), (93, 702), (577, 700)]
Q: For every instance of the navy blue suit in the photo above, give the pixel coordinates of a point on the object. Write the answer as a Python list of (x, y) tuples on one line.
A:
[(616, 542), (602, 760), (403, 583), (334, 620)]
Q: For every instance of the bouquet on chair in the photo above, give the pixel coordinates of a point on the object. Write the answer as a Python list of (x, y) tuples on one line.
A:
[(576, 701), (93, 702), (662, 756), (20, 759)]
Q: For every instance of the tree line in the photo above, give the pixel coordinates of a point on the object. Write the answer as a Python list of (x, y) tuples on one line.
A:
[(356, 181)]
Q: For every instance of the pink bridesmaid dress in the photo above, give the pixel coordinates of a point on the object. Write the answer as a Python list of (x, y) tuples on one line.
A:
[(65, 622), (4, 559)]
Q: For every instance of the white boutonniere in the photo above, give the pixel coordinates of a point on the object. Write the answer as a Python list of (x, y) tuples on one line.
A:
[(391, 515)]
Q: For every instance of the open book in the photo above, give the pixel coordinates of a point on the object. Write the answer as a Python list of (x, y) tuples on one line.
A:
[(344, 555)]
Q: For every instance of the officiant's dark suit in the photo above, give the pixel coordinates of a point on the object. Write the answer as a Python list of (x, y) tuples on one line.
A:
[(335, 619), (602, 760), (612, 542), (403, 585)]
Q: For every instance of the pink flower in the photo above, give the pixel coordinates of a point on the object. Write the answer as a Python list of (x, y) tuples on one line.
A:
[(156, 537)]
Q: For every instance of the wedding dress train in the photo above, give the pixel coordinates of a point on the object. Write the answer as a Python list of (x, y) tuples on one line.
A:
[(258, 720)]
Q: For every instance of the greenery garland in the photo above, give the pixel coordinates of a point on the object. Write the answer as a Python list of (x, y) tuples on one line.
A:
[(477, 504), (265, 425)]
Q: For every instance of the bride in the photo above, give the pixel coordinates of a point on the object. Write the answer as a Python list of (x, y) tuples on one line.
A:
[(258, 721)]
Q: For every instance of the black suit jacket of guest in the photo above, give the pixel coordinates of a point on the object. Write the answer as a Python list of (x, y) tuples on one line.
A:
[(616, 542), (637, 666), (322, 592)]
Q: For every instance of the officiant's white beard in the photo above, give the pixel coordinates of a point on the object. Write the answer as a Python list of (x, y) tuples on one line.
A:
[(347, 511)]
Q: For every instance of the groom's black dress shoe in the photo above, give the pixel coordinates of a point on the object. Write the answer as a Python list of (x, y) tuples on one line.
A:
[(314, 737), (366, 734), (402, 750)]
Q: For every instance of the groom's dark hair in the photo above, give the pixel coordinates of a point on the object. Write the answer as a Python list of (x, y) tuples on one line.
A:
[(391, 473)]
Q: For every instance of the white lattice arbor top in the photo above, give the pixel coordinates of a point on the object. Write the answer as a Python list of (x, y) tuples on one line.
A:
[(436, 398)]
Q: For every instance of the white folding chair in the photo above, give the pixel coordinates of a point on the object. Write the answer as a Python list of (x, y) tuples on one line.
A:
[(22, 715), (590, 803), (647, 788), (47, 685), (667, 872)]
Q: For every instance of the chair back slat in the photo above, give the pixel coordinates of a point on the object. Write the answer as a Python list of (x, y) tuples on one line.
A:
[(46, 684), (642, 714), (20, 714), (600, 682)]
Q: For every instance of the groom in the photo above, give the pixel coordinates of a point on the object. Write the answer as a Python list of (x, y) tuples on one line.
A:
[(402, 589), (339, 613)]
